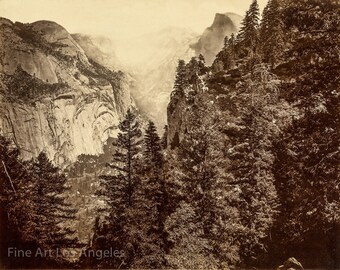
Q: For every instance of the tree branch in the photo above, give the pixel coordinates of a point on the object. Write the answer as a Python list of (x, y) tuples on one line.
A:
[(10, 180)]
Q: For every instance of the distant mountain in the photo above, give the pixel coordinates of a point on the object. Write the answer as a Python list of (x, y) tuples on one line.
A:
[(100, 48), (152, 60), (53, 96), (149, 63), (212, 39), (156, 73)]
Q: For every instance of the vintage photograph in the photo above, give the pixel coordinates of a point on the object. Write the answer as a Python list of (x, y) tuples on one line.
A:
[(170, 134)]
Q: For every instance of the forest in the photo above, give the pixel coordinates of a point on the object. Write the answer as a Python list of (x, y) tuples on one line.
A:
[(246, 173)]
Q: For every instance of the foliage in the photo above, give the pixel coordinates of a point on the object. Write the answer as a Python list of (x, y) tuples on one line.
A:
[(33, 209)]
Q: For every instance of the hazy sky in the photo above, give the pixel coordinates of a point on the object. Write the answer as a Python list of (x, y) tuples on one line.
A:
[(122, 18)]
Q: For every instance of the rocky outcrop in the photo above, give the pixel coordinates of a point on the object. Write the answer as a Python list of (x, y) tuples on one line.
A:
[(291, 264), (212, 39), (54, 98)]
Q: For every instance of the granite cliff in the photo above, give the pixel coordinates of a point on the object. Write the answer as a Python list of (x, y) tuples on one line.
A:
[(211, 40), (54, 97)]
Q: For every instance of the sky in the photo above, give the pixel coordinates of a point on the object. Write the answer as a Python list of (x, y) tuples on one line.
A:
[(121, 19)]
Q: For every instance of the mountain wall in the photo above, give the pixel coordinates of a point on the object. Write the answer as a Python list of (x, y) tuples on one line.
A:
[(54, 98)]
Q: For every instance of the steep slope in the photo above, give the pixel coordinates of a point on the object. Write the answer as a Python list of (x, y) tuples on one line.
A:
[(54, 98), (211, 41), (273, 128)]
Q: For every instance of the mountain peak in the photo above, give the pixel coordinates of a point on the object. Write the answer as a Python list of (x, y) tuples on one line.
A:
[(211, 41)]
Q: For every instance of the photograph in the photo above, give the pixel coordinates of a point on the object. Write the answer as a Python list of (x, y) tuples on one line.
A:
[(170, 134)]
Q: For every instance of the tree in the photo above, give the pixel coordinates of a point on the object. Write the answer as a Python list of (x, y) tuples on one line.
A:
[(201, 197), (16, 206), (248, 36), (121, 185), (180, 80), (250, 152), (164, 140), (306, 169), (51, 208), (227, 56), (152, 146), (202, 69), (33, 208), (271, 33), (152, 203), (120, 190)]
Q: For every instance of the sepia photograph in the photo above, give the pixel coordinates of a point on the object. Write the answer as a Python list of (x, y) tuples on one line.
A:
[(170, 134)]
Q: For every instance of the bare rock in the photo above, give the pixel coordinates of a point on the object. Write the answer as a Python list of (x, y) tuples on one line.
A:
[(291, 264)]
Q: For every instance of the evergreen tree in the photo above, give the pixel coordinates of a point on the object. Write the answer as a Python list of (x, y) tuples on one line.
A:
[(231, 47), (227, 56), (252, 160), (52, 210), (248, 36), (120, 189), (202, 197), (124, 163), (180, 80), (192, 70), (16, 206), (152, 202), (202, 69), (33, 209), (152, 146), (271, 33), (306, 168), (164, 141)]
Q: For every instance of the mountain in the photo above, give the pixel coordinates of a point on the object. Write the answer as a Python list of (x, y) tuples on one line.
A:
[(212, 39), (101, 49), (150, 60), (53, 96), (257, 138), (155, 75)]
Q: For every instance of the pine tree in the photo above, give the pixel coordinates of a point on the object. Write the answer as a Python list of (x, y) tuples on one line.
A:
[(152, 145), (33, 208), (271, 33), (202, 69), (16, 207), (120, 189), (192, 71), (227, 56), (124, 180), (52, 210), (164, 141), (306, 168), (180, 80), (231, 47), (252, 160), (152, 203), (201, 196), (248, 36)]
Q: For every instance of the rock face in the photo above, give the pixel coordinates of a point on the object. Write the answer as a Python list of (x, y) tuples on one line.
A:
[(212, 39), (53, 97)]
